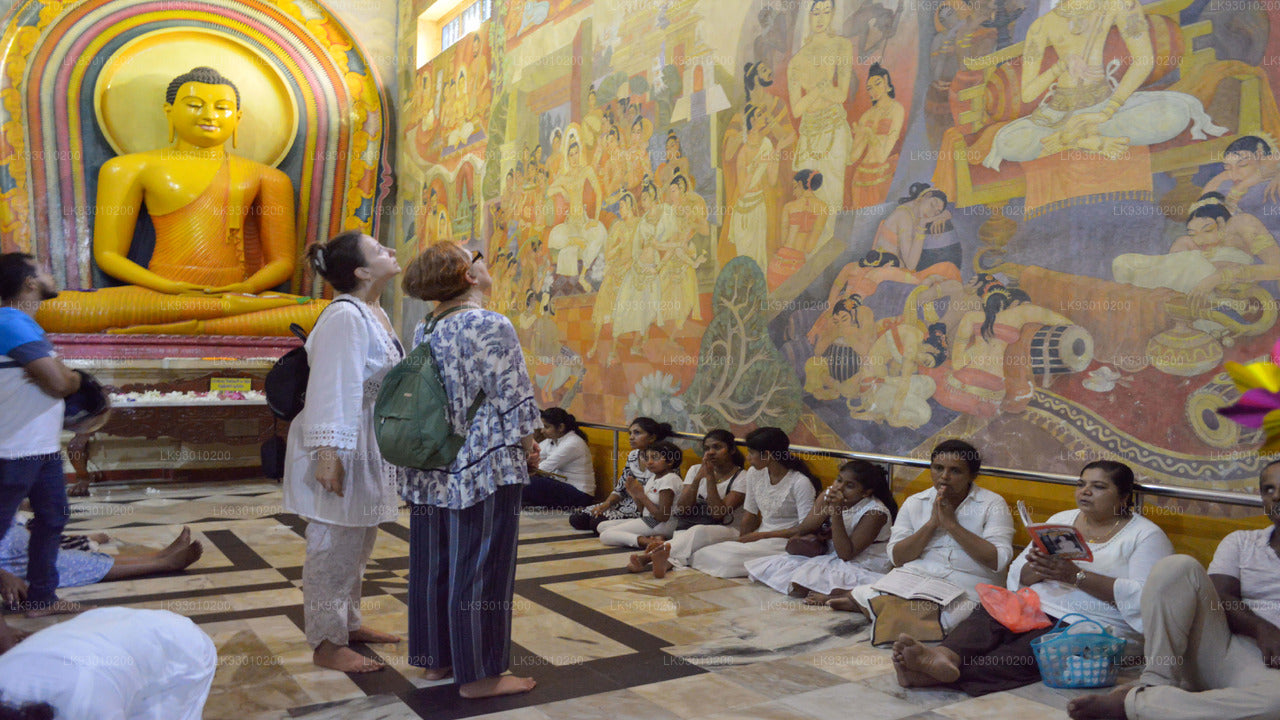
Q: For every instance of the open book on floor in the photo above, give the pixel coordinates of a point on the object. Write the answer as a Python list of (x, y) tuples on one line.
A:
[(1063, 541), (914, 586)]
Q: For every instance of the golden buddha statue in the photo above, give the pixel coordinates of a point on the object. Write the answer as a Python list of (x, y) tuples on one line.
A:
[(224, 232)]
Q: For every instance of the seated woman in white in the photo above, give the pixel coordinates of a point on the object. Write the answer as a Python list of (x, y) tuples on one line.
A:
[(858, 509), (982, 656), (708, 508), (564, 454), (1212, 638), (656, 498), (955, 531), (114, 664), (643, 432), (779, 492)]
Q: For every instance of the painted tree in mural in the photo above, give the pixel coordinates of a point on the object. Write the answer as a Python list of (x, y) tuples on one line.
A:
[(741, 378)]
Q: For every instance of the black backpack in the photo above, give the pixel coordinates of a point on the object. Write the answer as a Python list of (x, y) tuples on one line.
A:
[(286, 383)]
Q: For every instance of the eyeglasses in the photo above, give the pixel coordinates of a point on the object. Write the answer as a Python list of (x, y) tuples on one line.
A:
[(477, 255)]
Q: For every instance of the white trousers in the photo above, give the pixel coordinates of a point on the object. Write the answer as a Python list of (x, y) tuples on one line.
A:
[(729, 559), (332, 574), (625, 533), (1196, 668), (689, 541)]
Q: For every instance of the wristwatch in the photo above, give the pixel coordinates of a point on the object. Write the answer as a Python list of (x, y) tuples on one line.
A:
[(1079, 578)]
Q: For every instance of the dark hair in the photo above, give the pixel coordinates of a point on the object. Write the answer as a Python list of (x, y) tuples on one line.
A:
[(921, 190), (679, 179), (26, 711), (750, 112), (726, 437), (972, 458), (992, 304), (1120, 475), (659, 431), (626, 195), (15, 269), (669, 452), (877, 71), (777, 446), (810, 179), (879, 258), (1214, 210), (814, 4), (206, 75), (1248, 144), (850, 305), (560, 416), (751, 76), (937, 340), (337, 260), (874, 478)]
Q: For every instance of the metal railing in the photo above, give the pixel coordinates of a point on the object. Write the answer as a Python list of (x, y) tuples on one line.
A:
[(1141, 490)]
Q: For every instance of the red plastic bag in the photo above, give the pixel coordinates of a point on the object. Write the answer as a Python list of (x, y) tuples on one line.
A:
[(1020, 611)]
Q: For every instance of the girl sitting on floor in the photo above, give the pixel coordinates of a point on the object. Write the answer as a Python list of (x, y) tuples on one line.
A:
[(620, 505), (657, 498), (858, 510), (779, 491), (707, 510)]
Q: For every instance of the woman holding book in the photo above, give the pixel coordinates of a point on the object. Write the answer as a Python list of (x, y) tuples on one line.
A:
[(955, 532), (982, 656)]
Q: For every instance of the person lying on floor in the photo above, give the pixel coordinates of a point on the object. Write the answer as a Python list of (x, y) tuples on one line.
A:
[(80, 567), (1212, 637), (982, 656), (857, 511), (955, 531)]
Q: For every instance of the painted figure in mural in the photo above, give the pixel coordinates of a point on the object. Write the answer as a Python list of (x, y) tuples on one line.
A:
[(639, 300), (578, 240), (680, 257), (757, 166), (199, 196), (863, 278), (675, 163), (555, 159), (1250, 179), (874, 137), (592, 124), (617, 263), (871, 26), (818, 79), (436, 225), (1085, 111), (803, 222), (611, 167), (638, 163), (892, 391), (481, 84), (839, 350), (981, 383), (960, 34), (919, 230), (771, 113), (1218, 250)]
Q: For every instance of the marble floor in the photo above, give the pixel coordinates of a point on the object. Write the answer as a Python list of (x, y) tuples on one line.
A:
[(603, 644)]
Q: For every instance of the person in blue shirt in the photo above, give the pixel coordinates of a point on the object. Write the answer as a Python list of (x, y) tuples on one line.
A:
[(33, 383)]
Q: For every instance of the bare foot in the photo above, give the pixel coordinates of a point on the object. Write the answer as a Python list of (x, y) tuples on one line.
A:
[(493, 686), (100, 538), (638, 562), (79, 489), (434, 674), (843, 604), (817, 598), (57, 607), (369, 635), (343, 659), (179, 543), (646, 541), (660, 564), (1100, 706), (184, 557), (932, 662)]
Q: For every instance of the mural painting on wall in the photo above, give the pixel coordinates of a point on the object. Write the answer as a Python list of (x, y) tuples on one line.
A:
[(1042, 226)]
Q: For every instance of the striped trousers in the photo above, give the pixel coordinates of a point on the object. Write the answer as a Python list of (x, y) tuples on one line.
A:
[(462, 569)]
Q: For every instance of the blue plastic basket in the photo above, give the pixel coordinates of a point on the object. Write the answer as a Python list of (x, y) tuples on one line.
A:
[(1071, 658)]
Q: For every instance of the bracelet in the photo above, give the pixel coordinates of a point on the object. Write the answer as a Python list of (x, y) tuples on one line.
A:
[(1079, 578)]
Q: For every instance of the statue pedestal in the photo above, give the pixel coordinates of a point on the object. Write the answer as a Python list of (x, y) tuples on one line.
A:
[(176, 436)]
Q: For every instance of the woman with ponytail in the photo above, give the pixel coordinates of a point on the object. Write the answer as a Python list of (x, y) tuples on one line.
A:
[(621, 503), (564, 478), (779, 491), (858, 509)]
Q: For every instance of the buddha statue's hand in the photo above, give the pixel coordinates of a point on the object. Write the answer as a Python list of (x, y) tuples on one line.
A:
[(234, 288), (177, 287)]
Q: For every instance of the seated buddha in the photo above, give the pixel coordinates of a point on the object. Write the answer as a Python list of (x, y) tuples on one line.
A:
[(214, 214)]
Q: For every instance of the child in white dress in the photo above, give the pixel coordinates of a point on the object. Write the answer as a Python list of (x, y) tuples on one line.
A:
[(858, 510), (657, 498)]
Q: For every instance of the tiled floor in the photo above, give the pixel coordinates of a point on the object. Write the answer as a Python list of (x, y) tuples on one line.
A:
[(602, 643)]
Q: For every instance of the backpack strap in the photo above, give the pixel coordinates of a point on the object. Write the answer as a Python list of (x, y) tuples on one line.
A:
[(297, 330)]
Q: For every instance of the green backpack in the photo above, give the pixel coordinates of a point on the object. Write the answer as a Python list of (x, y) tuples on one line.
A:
[(411, 415)]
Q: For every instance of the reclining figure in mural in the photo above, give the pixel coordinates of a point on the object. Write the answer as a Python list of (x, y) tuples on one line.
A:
[(1087, 108), (208, 206)]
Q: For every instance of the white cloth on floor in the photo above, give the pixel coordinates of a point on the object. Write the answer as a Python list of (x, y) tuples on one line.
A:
[(114, 664), (828, 572)]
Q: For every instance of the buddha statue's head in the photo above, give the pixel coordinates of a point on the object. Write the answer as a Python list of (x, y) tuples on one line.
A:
[(203, 108)]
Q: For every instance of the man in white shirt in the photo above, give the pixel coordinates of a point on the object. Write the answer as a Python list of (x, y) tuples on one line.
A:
[(1212, 637), (33, 383)]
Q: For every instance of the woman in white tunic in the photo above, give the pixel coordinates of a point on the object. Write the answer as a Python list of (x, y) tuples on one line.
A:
[(779, 492), (114, 664), (858, 510), (334, 475)]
